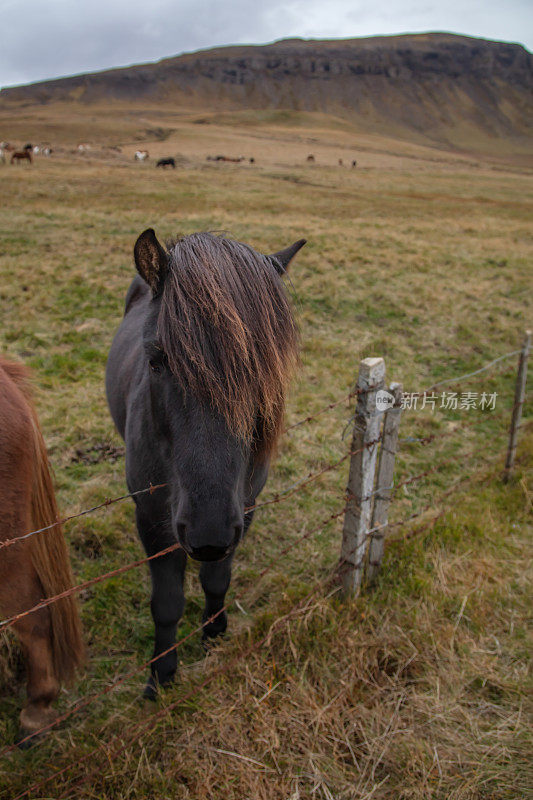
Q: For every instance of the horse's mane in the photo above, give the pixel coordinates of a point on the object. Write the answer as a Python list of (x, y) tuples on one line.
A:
[(228, 332)]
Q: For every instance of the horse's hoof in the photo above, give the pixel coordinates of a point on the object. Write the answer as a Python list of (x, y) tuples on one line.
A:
[(210, 642), (27, 740), (153, 686), (34, 723), (151, 689)]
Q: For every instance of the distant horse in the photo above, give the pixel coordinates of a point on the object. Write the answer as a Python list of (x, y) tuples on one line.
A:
[(21, 155), (196, 380), (166, 162), (28, 147), (354, 164), (141, 155), (310, 159), (341, 163), (37, 567), (227, 158)]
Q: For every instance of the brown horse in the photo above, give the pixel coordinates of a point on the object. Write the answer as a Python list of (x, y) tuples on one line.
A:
[(21, 155), (36, 567)]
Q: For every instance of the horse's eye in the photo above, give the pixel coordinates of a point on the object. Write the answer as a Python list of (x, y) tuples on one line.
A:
[(155, 366)]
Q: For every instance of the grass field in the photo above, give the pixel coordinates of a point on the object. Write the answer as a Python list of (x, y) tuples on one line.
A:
[(417, 689)]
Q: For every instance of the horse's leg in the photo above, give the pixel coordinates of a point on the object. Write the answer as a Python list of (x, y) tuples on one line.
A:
[(21, 589), (167, 605), (215, 578)]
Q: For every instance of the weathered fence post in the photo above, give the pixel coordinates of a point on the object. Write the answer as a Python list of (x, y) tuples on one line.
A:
[(520, 393), (364, 450), (384, 481)]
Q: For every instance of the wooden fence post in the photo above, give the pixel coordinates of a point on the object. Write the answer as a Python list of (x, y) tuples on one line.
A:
[(364, 450), (520, 393), (384, 481)]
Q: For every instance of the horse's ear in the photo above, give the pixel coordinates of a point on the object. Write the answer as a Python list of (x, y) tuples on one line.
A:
[(150, 259), (282, 259)]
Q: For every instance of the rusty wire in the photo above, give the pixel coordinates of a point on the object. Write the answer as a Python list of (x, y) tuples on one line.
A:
[(312, 476), (85, 585), (369, 535), (287, 492), (154, 720), (79, 587), (150, 489), (138, 730), (311, 417), (97, 695)]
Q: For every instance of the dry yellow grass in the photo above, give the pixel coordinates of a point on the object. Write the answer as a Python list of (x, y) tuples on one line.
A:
[(417, 689)]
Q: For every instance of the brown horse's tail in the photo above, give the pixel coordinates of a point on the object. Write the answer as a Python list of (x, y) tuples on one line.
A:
[(51, 561)]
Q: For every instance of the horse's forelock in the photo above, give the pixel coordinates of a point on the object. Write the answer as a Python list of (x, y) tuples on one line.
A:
[(227, 329)]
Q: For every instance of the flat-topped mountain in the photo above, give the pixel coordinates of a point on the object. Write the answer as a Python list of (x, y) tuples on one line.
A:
[(437, 86)]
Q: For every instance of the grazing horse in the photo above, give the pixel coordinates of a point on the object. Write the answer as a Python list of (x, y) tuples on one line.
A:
[(227, 158), (141, 155), (166, 162), (21, 155), (39, 566), (310, 159), (195, 380)]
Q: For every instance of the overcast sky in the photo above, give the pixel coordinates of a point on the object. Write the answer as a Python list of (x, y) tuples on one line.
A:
[(42, 39)]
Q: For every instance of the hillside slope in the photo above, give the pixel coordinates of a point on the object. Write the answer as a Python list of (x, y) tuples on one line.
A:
[(438, 87)]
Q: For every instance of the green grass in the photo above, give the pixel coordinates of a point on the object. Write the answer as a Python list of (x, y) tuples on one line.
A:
[(409, 692)]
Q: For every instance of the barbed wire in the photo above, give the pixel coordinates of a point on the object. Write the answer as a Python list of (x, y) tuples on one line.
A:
[(311, 417), (358, 391), (98, 579), (369, 535), (150, 489), (398, 523), (312, 476), (354, 393), (379, 530), (287, 492), (154, 719), (460, 427), (97, 695), (476, 372), (86, 584), (137, 731)]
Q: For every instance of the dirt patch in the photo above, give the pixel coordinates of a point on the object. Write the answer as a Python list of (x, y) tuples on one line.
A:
[(96, 453)]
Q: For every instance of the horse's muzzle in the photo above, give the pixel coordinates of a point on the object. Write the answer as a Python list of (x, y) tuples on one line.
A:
[(209, 552)]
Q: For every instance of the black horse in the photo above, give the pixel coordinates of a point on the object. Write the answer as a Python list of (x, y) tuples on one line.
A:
[(166, 162), (196, 380)]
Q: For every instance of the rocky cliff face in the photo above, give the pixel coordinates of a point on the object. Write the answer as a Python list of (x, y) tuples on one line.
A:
[(426, 82)]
